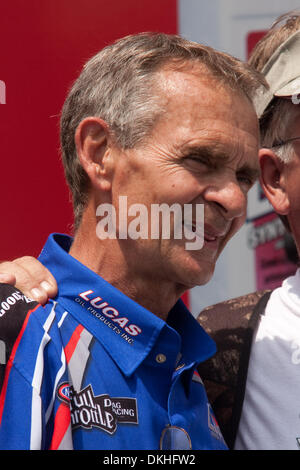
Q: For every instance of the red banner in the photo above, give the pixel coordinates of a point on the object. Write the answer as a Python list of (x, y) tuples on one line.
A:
[(43, 47)]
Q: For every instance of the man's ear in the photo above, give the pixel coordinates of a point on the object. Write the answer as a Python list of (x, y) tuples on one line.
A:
[(93, 145), (273, 181)]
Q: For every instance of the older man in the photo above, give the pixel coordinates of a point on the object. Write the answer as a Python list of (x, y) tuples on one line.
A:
[(254, 379), (270, 417), (110, 364)]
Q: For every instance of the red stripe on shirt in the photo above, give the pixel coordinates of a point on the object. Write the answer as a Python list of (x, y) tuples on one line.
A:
[(70, 347), (11, 360), (63, 417)]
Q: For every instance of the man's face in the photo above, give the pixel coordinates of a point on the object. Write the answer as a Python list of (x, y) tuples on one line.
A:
[(203, 150)]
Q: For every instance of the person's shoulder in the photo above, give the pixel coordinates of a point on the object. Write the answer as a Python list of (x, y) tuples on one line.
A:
[(232, 313), (231, 324), (14, 306)]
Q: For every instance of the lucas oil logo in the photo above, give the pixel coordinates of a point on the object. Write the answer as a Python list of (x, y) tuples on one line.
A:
[(109, 315), (101, 411)]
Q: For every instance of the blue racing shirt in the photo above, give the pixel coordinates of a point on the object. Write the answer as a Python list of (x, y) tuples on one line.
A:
[(95, 370)]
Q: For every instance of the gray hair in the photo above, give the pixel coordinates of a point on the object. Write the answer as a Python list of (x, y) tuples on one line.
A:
[(118, 85), (274, 126)]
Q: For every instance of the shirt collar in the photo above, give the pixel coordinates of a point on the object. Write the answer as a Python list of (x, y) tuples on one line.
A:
[(197, 345), (126, 330)]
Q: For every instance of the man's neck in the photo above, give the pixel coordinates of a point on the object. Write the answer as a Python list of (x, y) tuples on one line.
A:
[(106, 258)]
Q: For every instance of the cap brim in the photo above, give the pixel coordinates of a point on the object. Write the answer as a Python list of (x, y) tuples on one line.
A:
[(282, 73)]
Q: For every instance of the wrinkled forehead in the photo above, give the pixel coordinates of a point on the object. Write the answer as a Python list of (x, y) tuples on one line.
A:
[(185, 79), (195, 96), (202, 116), (196, 82)]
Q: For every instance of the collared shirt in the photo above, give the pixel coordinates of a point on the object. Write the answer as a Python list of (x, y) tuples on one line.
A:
[(271, 401), (95, 370)]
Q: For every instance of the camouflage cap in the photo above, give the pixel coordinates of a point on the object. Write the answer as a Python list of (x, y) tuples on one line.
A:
[(282, 73)]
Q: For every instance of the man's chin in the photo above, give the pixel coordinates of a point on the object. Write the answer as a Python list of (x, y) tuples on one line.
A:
[(193, 276)]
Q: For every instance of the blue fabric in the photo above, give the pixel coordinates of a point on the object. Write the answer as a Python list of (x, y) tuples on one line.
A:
[(121, 373)]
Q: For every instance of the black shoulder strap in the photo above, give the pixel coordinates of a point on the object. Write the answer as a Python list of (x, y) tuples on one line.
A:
[(231, 324), (258, 310), (14, 307)]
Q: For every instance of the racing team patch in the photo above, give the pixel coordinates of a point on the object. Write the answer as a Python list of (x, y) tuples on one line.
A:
[(101, 411)]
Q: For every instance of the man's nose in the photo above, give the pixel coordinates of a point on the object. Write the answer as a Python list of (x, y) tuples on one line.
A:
[(229, 198)]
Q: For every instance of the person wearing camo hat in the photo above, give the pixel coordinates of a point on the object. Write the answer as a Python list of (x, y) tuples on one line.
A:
[(254, 378)]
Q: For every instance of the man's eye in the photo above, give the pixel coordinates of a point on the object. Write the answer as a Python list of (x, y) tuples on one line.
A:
[(198, 160), (245, 179)]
